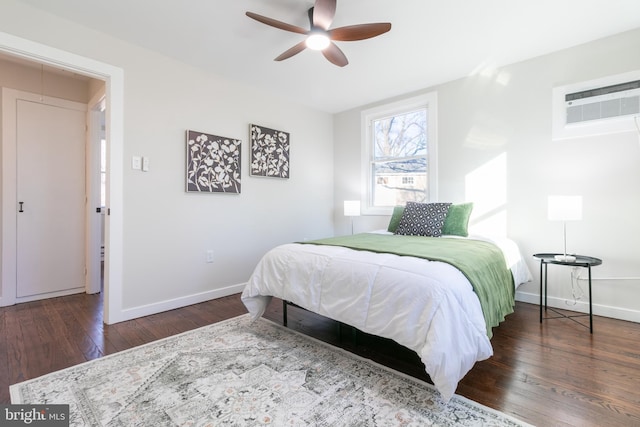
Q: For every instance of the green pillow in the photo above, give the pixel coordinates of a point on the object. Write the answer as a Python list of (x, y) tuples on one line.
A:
[(395, 218), (457, 221)]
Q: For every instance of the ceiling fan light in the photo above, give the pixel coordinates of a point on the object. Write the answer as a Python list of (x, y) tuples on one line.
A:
[(318, 41)]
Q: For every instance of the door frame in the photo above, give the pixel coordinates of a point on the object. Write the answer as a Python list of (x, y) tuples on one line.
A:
[(114, 122), (94, 218)]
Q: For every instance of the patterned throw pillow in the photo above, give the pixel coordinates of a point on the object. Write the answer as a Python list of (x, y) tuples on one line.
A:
[(423, 219)]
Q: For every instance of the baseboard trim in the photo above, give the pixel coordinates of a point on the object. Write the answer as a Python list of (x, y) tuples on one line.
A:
[(48, 295), (582, 307), (159, 307)]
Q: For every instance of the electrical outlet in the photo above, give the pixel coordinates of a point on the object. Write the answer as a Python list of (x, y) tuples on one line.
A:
[(209, 256), (145, 164)]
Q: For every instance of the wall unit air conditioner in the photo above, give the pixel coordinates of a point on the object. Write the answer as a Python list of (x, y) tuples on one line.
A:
[(597, 107)]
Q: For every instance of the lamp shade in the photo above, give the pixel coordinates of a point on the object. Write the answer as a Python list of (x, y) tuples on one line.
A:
[(352, 208), (565, 208)]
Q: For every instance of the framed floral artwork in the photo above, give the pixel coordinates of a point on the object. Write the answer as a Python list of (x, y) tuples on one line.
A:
[(213, 163), (269, 152)]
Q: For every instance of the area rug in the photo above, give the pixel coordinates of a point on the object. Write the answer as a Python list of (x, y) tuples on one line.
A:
[(238, 373)]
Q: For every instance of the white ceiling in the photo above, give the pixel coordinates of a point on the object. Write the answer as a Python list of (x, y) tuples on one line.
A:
[(430, 42)]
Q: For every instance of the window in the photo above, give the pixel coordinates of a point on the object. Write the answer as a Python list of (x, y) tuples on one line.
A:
[(399, 153)]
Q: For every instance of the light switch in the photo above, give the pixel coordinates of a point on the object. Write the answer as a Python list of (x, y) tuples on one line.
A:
[(145, 164), (136, 162)]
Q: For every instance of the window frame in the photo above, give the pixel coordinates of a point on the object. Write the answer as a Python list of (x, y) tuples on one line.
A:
[(428, 101)]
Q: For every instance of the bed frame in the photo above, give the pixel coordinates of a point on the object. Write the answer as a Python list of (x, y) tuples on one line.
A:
[(285, 304)]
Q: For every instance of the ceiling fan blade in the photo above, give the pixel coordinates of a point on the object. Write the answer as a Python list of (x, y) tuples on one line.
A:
[(292, 51), (277, 24), (323, 13), (358, 32), (335, 55)]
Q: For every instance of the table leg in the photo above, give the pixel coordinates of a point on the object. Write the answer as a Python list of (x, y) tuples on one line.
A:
[(546, 284), (541, 262), (590, 305)]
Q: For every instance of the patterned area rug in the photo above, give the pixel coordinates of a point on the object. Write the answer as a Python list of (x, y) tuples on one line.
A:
[(235, 373)]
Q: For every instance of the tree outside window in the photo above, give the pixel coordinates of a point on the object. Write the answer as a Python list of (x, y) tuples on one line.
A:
[(398, 144), (399, 164)]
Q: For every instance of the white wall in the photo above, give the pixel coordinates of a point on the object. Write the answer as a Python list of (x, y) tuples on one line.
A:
[(495, 130), (166, 230)]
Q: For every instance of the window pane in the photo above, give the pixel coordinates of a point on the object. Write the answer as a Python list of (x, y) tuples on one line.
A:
[(399, 182), (403, 135), (397, 142)]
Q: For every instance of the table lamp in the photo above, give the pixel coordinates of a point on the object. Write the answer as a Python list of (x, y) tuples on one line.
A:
[(565, 208), (351, 209)]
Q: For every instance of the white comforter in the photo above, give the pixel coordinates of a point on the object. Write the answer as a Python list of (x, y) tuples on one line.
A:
[(427, 306)]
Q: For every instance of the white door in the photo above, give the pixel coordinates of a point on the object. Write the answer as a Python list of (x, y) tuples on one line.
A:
[(51, 199)]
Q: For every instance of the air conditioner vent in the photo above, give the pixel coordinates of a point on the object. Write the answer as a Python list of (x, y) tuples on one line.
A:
[(603, 91), (597, 107), (605, 102)]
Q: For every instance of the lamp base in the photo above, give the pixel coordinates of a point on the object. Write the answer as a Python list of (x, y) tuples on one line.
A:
[(565, 258)]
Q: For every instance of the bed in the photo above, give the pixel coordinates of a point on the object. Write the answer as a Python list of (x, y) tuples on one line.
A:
[(438, 296)]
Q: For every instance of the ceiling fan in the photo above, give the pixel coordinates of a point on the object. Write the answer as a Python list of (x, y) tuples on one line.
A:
[(319, 36)]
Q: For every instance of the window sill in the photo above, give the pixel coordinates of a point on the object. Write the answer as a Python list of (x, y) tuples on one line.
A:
[(375, 211)]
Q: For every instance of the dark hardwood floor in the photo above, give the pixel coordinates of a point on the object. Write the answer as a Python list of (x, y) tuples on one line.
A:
[(554, 374)]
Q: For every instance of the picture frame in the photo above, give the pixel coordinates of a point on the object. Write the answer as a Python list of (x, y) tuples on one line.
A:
[(269, 152), (213, 163)]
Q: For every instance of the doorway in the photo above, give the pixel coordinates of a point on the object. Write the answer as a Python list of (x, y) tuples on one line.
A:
[(114, 121)]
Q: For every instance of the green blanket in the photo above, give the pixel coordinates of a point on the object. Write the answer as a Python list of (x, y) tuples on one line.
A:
[(481, 262)]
